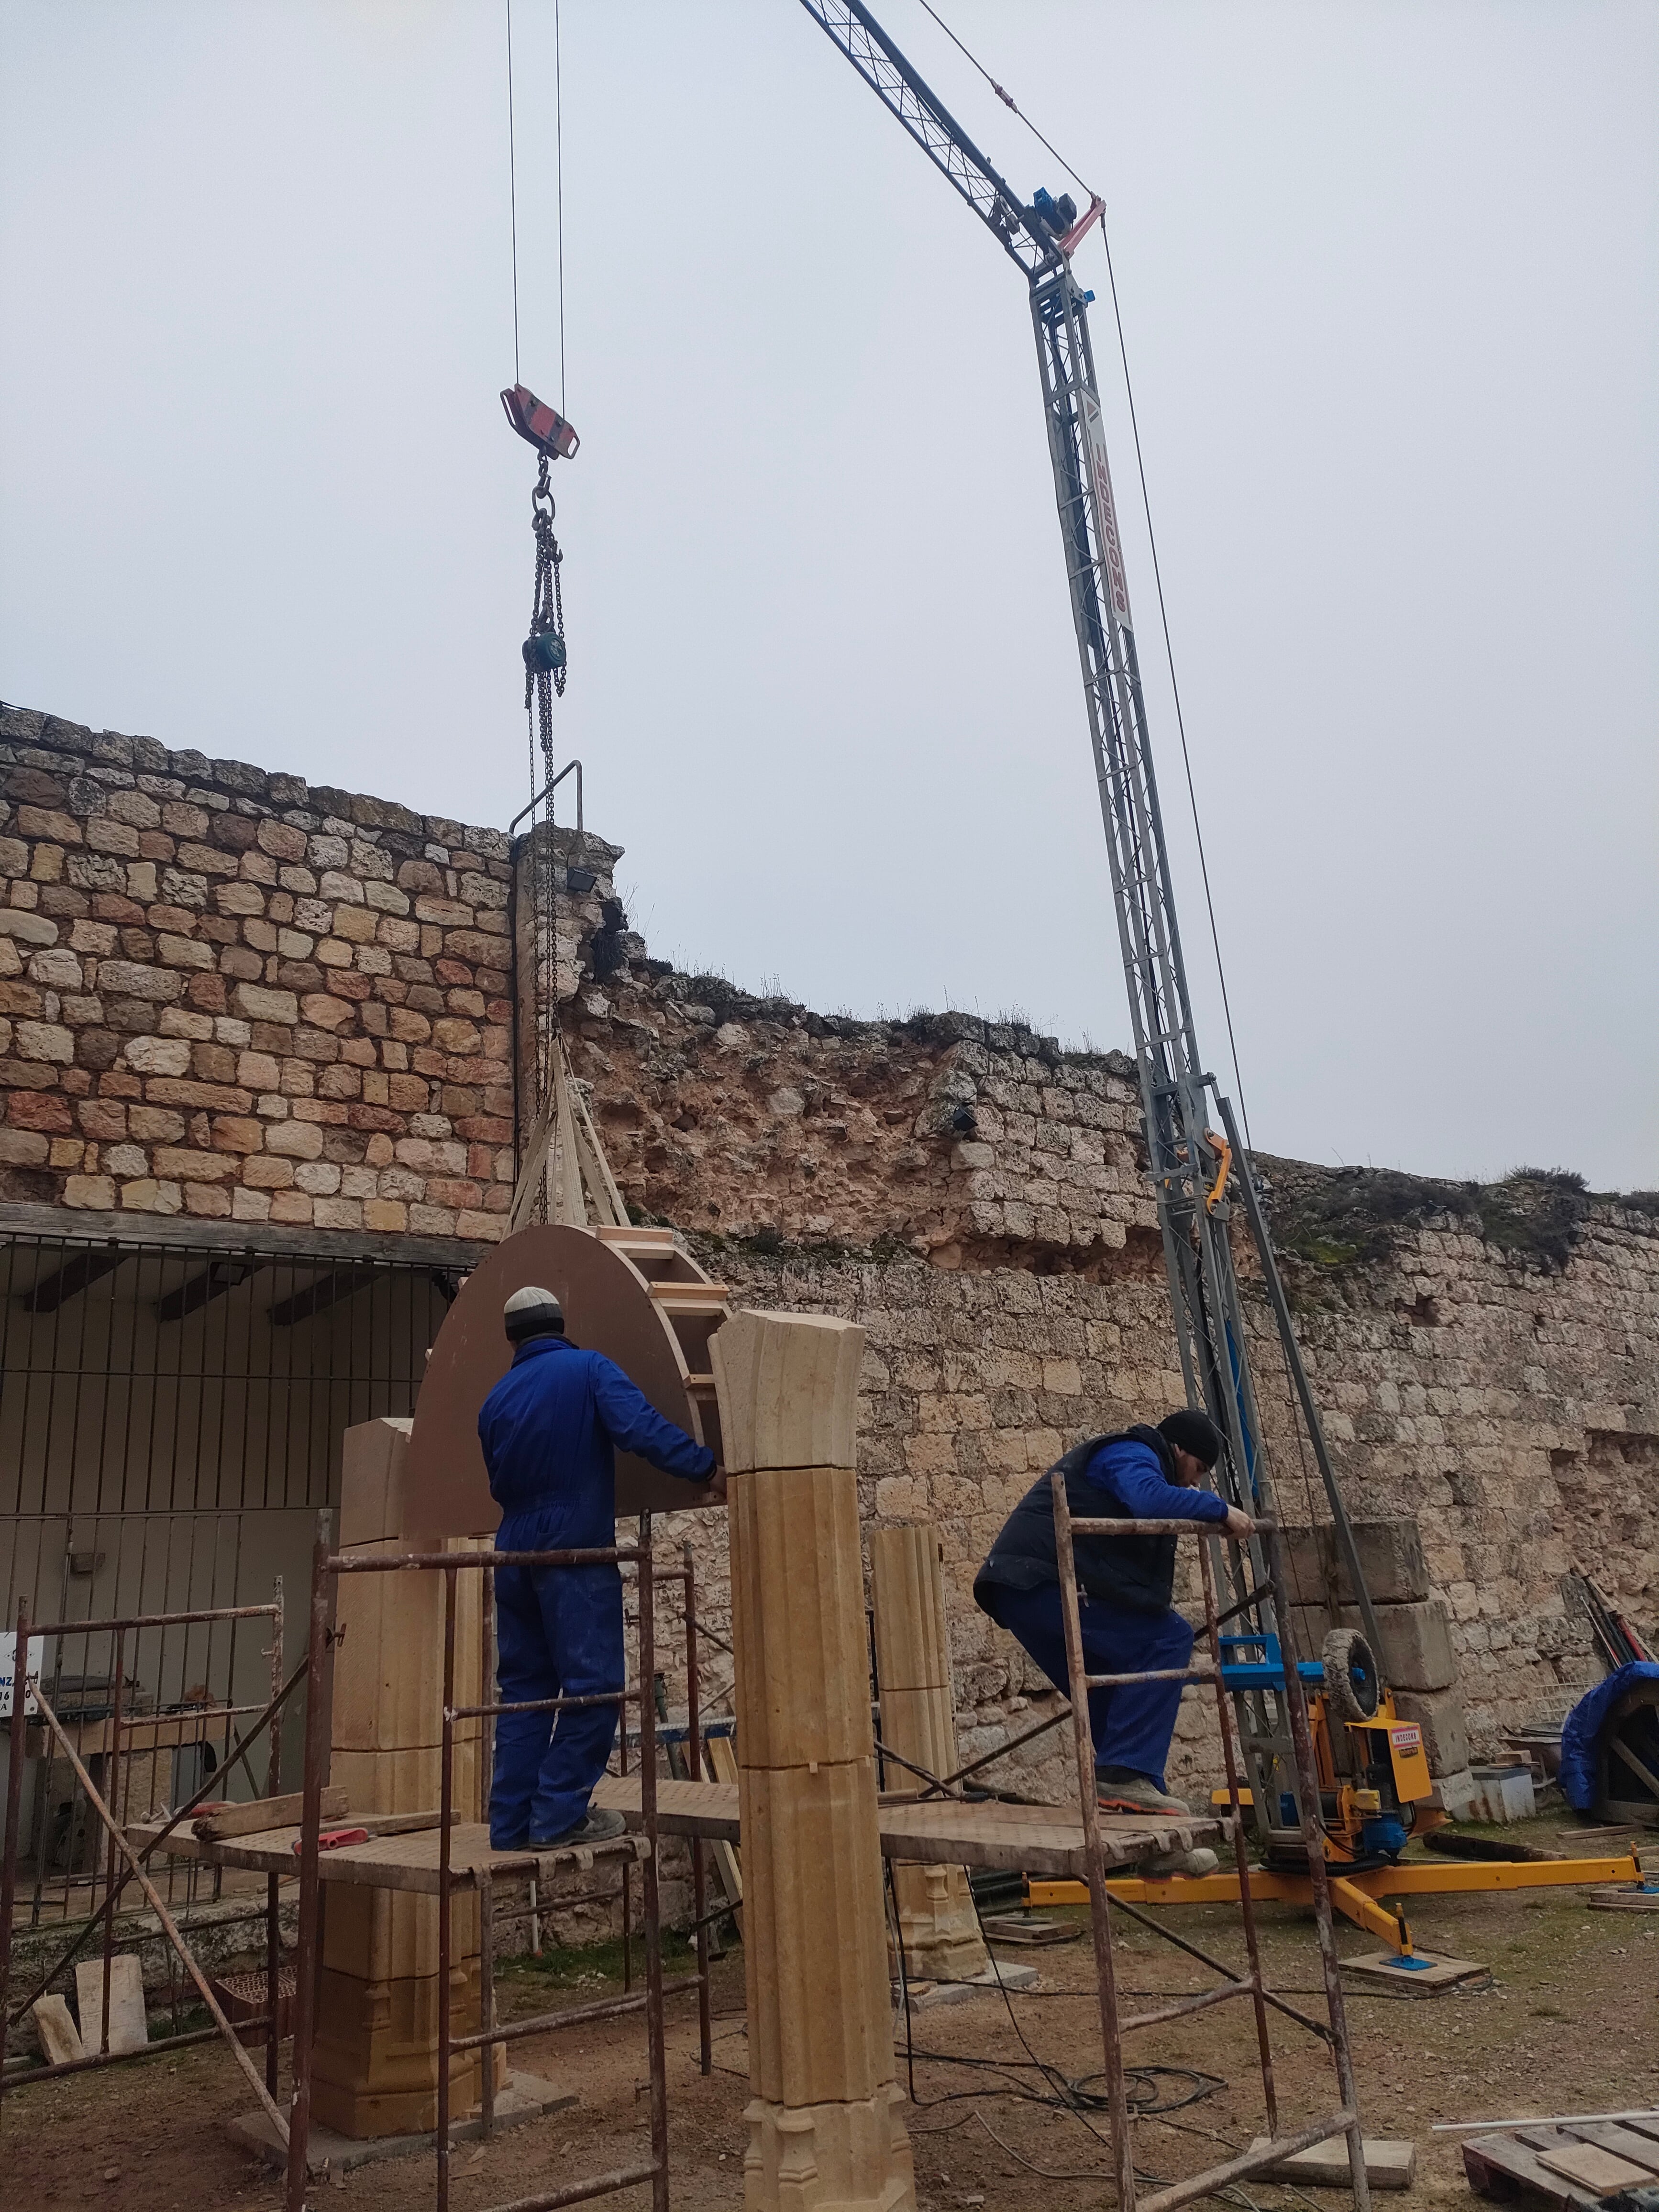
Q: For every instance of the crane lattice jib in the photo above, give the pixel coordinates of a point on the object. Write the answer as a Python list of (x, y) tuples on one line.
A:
[(1182, 1163), (1187, 1162)]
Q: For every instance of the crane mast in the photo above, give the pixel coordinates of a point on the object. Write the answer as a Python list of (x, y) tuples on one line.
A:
[(1194, 1167)]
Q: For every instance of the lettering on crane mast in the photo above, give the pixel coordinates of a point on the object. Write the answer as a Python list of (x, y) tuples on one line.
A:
[(1111, 549)]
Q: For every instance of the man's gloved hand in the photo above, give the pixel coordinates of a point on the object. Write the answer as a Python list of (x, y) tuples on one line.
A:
[(715, 1493), (1238, 1523)]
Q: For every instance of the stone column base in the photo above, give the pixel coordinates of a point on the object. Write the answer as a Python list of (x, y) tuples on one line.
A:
[(938, 1925), (829, 2158)]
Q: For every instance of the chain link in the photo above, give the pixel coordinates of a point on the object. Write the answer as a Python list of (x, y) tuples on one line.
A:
[(541, 685)]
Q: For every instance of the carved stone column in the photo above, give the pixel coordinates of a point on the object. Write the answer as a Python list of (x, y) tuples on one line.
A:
[(823, 2129), (374, 2065), (938, 1925)]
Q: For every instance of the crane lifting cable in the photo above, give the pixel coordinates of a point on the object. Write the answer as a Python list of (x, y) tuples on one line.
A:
[(546, 668)]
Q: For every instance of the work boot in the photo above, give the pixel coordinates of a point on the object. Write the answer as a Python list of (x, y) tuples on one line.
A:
[(598, 1826), (1168, 1863), (1134, 1793)]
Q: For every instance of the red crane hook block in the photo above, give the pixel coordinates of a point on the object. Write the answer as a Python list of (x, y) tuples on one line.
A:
[(542, 426)]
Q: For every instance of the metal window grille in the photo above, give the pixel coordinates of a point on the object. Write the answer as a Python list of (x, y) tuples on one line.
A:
[(170, 1421)]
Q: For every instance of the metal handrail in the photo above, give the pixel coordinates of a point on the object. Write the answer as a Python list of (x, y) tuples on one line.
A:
[(547, 792)]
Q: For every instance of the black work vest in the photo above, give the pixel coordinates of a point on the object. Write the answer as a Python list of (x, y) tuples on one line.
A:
[(1134, 1572)]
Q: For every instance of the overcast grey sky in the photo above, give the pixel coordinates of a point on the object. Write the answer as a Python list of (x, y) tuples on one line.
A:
[(1389, 278)]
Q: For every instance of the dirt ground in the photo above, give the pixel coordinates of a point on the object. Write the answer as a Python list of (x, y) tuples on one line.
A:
[(1567, 2021)]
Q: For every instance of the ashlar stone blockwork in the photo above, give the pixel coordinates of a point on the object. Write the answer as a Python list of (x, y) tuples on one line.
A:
[(235, 995)]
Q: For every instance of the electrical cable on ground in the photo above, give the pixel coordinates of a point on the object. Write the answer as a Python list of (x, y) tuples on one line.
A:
[(1142, 2083)]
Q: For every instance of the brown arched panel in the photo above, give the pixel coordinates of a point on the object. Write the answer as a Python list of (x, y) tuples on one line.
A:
[(619, 1289)]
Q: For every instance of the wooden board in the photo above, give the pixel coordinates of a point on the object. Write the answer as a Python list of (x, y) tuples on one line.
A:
[(403, 1861), (723, 1762), (1503, 2168), (145, 1732), (60, 2041), (1565, 2167), (1597, 2169), (1023, 1838), (1390, 2163), (608, 1308), (263, 1812), (129, 2027), (1630, 2143)]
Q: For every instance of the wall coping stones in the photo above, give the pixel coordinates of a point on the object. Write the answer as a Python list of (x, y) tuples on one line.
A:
[(238, 779)]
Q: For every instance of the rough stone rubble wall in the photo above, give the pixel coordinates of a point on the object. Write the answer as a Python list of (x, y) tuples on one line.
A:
[(226, 993), (229, 995), (973, 1197)]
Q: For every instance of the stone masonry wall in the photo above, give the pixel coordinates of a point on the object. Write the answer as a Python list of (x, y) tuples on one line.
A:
[(1488, 1363), (226, 993)]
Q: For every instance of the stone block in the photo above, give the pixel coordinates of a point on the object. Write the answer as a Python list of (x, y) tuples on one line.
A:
[(410, 1780), (374, 2066), (812, 1913), (831, 2157), (787, 1385), (802, 1687), (920, 1726), (1458, 1795), (371, 1481), (913, 1646), (1390, 1558), (388, 1674), (1445, 1732), (1417, 1649), (391, 1935)]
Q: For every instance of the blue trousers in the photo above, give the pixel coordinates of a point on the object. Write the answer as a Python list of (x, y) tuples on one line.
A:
[(1132, 1726), (558, 1634)]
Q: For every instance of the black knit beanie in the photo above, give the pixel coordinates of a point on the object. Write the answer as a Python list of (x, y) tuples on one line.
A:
[(1193, 1432)]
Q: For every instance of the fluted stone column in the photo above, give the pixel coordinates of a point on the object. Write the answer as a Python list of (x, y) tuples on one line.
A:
[(374, 2065), (938, 1925), (825, 2134)]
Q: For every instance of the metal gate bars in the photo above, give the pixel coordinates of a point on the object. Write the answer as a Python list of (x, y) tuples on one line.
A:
[(478, 1865), (114, 1743), (1345, 2121)]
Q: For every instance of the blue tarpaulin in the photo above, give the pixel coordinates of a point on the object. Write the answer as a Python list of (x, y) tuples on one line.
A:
[(1582, 1727)]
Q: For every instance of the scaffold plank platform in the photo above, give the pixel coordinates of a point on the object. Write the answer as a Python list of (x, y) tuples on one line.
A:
[(1042, 1839), (405, 1862)]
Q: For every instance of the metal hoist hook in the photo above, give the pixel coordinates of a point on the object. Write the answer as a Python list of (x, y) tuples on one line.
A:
[(545, 652)]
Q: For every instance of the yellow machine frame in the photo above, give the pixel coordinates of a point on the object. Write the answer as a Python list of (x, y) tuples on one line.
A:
[(1355, 1895), (1357, 1892)]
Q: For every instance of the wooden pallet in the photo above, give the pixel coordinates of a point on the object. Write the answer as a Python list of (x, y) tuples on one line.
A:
[(1511, 2166)]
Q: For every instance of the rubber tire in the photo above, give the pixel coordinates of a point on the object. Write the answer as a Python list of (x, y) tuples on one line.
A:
[(1346, 1655)]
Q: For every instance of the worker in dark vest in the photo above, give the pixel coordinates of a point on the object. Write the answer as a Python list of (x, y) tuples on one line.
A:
[(1126, 1584), (550, 1429)]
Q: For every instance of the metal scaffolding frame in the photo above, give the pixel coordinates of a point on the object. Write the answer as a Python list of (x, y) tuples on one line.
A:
[(447, 1876), (1334, 2030), (31, 1701)]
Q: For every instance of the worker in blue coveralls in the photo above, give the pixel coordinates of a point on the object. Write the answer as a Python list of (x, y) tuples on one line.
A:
[(550, 1429), (1126, 1585)]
